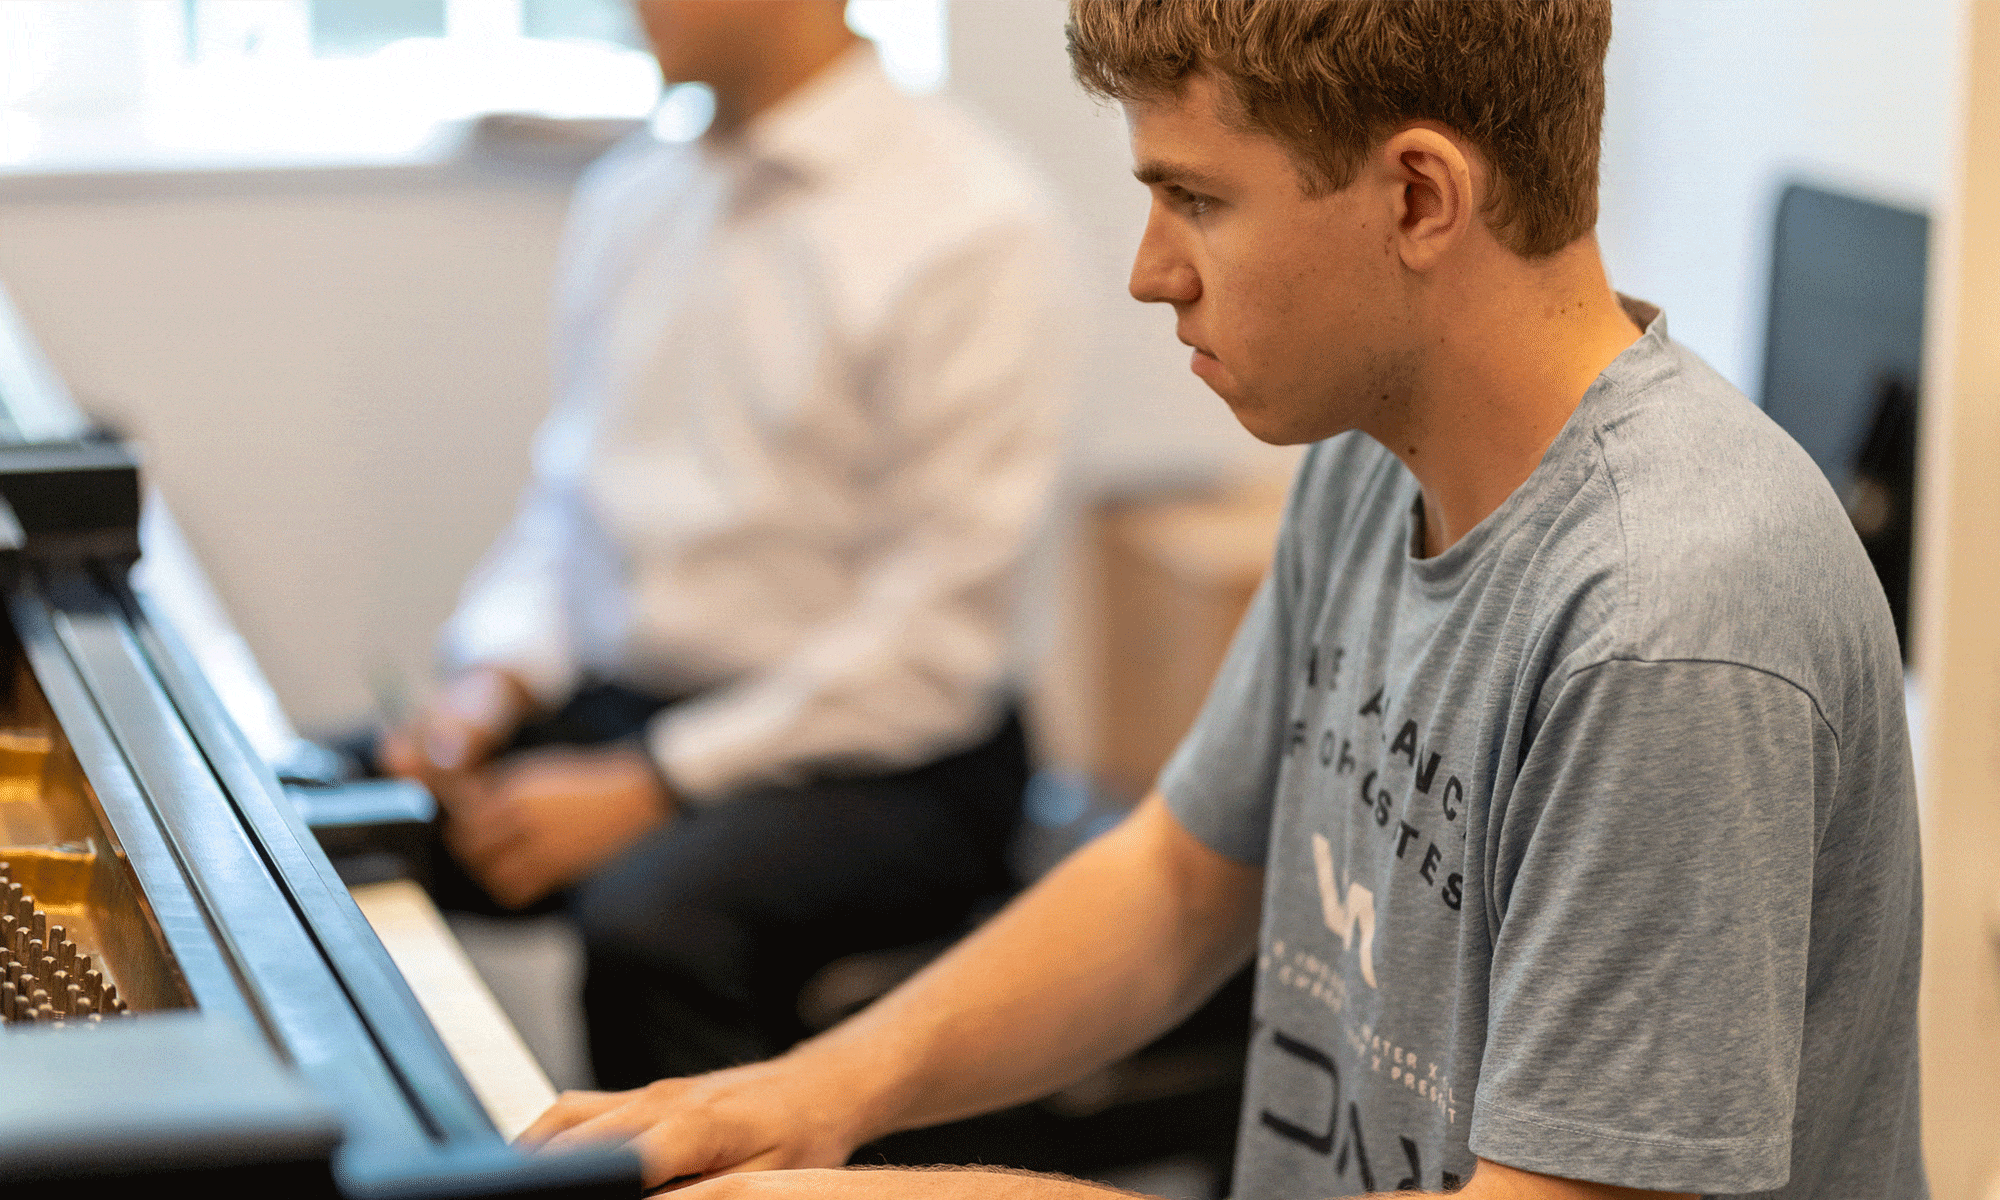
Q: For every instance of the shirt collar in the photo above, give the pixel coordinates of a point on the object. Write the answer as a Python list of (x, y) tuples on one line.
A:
[(1652, 322), (815, 127)]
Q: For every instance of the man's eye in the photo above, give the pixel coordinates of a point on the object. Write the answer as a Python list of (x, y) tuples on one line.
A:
[(1189, 202)]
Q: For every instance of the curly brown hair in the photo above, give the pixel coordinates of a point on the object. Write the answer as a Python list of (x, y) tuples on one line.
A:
[(1522, 80)]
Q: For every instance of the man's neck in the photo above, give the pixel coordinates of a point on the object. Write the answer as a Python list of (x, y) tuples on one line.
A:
[(793, 62), (1506, 366)]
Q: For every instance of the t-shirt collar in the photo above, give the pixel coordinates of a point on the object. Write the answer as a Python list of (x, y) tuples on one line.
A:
[(1648, 355)]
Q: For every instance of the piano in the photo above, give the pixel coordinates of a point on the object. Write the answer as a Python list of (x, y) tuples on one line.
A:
[(190, 993)]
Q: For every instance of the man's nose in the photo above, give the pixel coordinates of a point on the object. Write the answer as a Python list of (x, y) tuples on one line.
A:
[(1161, 274)]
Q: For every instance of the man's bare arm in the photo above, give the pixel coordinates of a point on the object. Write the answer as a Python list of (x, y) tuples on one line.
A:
[(1116, 945), (1492, 1181)]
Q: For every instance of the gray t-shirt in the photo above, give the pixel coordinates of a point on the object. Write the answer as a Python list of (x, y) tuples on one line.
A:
[(1590, 843)]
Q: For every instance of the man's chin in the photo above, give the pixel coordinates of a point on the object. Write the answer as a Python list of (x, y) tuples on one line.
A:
[(1272, 428)]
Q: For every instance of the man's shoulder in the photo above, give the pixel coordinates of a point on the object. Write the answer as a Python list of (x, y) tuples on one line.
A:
[(1720, 538), (924, 192), (943, 171)]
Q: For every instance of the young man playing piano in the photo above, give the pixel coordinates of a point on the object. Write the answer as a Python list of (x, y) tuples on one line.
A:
[(1558, 780)]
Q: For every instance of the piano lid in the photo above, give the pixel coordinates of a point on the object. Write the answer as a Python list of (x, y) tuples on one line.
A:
[(135, 814)]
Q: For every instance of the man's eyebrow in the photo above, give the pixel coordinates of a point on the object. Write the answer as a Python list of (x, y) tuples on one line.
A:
[(1156, 171)]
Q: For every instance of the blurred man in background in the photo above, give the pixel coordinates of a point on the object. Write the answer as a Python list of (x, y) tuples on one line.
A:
[(737, 677)]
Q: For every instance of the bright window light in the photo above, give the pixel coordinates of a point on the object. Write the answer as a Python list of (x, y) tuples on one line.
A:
[(910, 35), (177, 82)]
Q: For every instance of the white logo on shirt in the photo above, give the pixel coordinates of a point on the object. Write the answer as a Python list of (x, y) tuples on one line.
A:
[(1344, 913)]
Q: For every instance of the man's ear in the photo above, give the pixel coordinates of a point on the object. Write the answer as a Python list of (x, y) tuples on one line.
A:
[(1437, 205)]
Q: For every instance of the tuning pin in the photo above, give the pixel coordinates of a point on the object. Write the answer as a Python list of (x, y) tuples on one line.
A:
[(117, 1005), (59, 989), (73, 1000), (82, 964), (38, 925), (112, 1001), (38, 999), (45, 1011), (93, 982), (7, 998), (47, 967), (82, 1005)]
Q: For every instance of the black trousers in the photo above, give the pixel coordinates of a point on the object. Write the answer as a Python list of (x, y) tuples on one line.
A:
[(699, 939)]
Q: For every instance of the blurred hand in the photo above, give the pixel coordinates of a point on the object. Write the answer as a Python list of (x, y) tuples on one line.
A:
[(756, 1118), (463, 726), (543, 819)]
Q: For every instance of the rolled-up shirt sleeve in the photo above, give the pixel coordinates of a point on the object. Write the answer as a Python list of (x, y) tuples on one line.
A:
[(510, 613)]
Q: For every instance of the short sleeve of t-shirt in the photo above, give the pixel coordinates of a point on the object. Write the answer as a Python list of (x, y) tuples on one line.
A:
[(1651, 900), (1222, 781)]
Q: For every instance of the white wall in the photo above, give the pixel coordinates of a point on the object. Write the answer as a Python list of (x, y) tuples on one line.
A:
[(1713, 105), (333, 376)]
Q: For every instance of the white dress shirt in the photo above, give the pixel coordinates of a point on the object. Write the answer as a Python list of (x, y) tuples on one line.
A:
[(809, 398)]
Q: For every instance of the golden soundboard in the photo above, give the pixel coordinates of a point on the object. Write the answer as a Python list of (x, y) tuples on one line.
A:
[(190, 993)]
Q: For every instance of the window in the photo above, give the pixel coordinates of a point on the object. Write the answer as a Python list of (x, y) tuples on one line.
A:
[(171, 82)]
